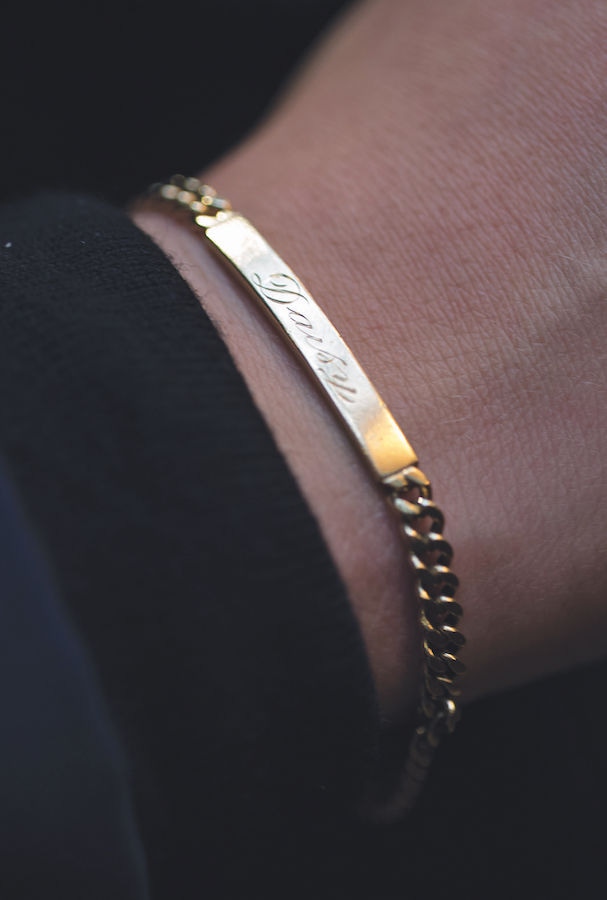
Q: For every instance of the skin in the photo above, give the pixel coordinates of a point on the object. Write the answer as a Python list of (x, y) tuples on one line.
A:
[(437, 176)]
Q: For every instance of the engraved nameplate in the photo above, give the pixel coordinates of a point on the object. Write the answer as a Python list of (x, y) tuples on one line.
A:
[(351, 393)]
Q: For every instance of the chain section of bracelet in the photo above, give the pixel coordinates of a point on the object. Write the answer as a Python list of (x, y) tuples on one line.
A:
[(409, 493)]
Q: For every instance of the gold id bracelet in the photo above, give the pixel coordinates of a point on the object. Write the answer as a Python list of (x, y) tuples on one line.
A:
[(381, 442)]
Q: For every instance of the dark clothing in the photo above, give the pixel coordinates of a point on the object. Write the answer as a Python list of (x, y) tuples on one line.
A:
[(218, 629), (67, 826), (182, 549)]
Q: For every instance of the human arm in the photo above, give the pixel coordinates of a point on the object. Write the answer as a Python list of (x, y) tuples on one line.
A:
[(463, 263)]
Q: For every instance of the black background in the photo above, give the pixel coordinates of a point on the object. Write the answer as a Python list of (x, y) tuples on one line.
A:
[(110, 97)]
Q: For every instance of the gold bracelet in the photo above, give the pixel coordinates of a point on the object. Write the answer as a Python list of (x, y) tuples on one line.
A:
[(381, 442)]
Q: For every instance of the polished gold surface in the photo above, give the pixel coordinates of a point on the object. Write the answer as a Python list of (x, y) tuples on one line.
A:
[(384, 446), (305, 325)]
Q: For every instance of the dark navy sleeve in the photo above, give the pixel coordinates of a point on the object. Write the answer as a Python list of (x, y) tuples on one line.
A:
[(221, 634), (67, 825)]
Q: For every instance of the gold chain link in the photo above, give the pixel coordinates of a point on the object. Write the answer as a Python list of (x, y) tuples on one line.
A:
[(430, 555)]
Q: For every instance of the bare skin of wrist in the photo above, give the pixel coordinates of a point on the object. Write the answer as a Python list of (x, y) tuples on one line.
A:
[(436, 177)]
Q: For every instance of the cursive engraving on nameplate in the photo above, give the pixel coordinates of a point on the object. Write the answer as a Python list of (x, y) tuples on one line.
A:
[(325, 352), (284, 289)]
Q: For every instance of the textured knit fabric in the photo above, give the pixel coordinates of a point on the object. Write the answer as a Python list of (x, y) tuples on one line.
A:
[(182, 549)]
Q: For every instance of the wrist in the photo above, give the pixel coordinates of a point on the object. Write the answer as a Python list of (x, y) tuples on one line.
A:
[(362, 537)]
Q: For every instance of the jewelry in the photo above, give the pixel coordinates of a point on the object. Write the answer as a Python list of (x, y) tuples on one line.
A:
[(380, 440)]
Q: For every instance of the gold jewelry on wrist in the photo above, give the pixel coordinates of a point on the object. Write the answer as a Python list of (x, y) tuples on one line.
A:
[(381, 442)]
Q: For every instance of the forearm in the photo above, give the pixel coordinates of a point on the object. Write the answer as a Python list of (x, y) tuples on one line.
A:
[(461, 262)]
